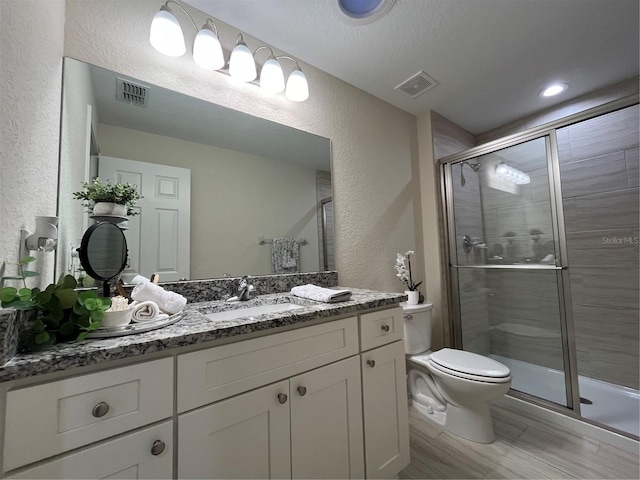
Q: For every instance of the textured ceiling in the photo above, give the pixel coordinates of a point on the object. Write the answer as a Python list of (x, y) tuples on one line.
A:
[(491, 58)]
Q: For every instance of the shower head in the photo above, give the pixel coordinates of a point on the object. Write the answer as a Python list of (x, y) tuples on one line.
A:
[(474, 166)]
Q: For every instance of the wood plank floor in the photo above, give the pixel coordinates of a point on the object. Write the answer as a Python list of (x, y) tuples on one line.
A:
[(523, 448)]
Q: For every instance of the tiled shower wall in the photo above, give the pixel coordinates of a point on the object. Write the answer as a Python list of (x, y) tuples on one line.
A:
[(599, 175)]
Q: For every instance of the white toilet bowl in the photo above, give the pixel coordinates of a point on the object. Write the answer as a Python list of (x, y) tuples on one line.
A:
[(451, 387)]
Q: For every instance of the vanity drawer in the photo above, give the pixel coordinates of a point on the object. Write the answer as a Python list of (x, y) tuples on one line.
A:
[(209, 375), (381, 327), (48, 419), (147, 453)]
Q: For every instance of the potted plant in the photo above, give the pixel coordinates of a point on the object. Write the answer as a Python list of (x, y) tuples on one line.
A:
[(103, 198), (59, 312), (403, 272)]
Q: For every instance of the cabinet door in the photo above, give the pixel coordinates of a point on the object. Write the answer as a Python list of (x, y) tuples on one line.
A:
[(386, 422), (144, 454), (247, 436), (326, 422)]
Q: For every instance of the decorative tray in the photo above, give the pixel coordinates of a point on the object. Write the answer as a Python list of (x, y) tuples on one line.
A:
[(133, 328)]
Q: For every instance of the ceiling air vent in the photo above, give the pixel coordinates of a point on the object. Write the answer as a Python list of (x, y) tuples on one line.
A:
[(417, 84), (132, 93)]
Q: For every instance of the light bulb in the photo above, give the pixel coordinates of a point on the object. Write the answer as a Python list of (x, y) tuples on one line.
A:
[(166, 35), (241, 64), (555, 89), (297, 86), (207, 51), (271, 76), (502, 170)]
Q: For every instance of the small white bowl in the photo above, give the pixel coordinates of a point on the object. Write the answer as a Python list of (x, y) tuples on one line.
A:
[(117, 318)]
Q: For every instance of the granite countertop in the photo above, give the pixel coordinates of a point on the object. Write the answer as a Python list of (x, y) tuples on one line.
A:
[(192, 328)]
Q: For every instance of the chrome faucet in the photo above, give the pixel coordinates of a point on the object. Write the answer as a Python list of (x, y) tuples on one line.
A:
[(245, 290)]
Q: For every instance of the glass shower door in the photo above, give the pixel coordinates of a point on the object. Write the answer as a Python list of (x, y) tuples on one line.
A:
[(505, 266)]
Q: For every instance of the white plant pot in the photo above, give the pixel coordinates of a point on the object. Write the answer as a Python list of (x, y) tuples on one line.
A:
[(413, 296), (117, 318), (108, 208)]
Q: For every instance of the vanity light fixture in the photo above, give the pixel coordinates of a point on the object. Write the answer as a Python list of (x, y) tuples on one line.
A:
[(167, 38), (271, 75), (297, 87), (242, 67)]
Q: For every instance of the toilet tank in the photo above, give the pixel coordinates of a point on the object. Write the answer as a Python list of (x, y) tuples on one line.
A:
[(417, 327)]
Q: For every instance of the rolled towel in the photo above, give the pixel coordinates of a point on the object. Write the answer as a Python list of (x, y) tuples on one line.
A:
[(319, 294), (146, 311), (168, 302)]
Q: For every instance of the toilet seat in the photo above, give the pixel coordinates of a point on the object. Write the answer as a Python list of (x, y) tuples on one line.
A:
[(467, 365)]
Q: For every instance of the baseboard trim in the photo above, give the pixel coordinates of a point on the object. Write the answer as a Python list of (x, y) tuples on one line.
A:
[(571, 424)]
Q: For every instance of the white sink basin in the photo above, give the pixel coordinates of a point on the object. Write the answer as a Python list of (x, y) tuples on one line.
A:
[(252, 311)]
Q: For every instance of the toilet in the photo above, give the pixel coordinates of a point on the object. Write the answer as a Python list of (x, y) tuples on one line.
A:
[(451, 387)]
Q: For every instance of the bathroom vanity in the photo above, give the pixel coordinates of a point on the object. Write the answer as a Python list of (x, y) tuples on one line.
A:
[(315, 392)]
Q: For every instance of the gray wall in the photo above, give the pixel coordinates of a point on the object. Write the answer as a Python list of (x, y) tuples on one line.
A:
[(599, 172)]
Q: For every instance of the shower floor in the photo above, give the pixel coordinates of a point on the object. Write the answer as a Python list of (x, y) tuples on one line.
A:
[(612, 405)]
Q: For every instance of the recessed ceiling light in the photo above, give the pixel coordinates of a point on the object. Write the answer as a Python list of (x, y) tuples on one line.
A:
[(360, 12), (554, 89)]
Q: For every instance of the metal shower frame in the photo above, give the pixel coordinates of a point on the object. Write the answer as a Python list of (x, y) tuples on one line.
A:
[(445, 170)]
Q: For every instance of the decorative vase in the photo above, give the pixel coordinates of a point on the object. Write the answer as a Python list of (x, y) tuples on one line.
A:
[(412, 297), (109, 209)]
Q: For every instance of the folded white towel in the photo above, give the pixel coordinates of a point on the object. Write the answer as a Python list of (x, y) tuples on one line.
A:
[(168, 302), (146, 311), (319, 294)]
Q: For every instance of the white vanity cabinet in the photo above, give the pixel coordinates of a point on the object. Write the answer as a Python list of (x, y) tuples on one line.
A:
[(307, 425), (384, 393), (326, 400), (144, 454), (55, 417)]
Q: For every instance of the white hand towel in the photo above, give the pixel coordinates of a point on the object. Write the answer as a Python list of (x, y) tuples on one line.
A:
[(168, 302), (147, 311), (319, 294)]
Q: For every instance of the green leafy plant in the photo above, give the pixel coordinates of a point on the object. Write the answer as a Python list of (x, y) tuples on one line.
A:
[(23, 274), (61, 312), (99, 191)]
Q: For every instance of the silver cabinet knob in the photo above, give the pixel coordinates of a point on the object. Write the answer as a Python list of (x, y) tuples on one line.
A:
[(408, 316), (371, 363), (282, 398), (385, 328), (302, 391), (158, 447), (100, 409)]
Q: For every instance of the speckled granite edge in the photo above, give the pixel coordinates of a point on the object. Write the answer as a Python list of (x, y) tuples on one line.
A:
[(192, 329), (12, 325), (222, 288)]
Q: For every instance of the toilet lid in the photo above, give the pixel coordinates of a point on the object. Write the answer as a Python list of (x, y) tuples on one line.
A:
[(467, 362)]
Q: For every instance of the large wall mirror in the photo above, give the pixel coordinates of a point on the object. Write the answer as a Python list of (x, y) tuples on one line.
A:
[(215, 181)]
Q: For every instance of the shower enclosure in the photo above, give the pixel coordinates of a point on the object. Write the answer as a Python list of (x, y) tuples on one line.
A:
[(543, 253)]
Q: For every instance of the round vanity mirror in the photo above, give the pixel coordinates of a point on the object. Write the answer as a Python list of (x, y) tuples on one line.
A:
[(103, 252)]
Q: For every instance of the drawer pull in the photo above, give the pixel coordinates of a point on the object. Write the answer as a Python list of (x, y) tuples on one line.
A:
[(282, 398), (408, 317), (371, 363), (158, 447), (385, 328), (100, 410), (302, 391)]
